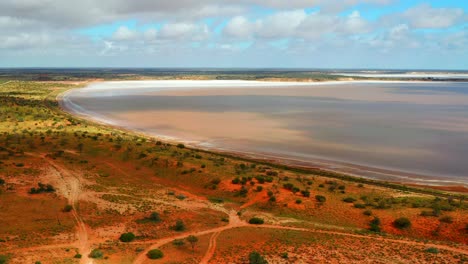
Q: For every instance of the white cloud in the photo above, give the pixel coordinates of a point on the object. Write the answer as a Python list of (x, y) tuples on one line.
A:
[(184, 31), (124, 33), (281, 24), (355, 24), (425, 16), (239, 27)]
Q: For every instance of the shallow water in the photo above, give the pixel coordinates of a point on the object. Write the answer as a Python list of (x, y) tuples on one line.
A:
[(417, 128)]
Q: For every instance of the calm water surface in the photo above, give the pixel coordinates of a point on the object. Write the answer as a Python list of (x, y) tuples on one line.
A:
[(417, 128)]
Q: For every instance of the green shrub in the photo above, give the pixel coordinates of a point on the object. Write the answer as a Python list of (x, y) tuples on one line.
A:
[(284, 255), (298, 201), (43, 188), (96, 254), (320, 198), (3, 259), (349, 200), (77, 256), (155, 254), (432, 250), (154, 217), (179, 226), (359, 205), (180, 145), (256, 258), (256, 221), (402, 223), (446, 219), (178, 242), (374, 225), (67, 208), (2, 181), (367, 212), (127, 237), (305, 193)]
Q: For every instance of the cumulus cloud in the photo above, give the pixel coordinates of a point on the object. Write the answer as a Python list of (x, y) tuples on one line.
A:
[(239, 27), (124, 33), (425, 16), (189, 31)]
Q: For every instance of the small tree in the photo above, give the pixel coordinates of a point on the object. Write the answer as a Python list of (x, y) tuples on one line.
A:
[(154, 217), (127, 237), (374, 225), (179, 226), (256, 258), (402, 223), (192, 240)]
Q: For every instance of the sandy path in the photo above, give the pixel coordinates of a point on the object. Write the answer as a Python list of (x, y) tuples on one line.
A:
[(234, 222), (239, 223), (71, 188), (211, 248)]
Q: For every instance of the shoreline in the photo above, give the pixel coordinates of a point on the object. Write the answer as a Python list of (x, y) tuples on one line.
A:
[(339, 167)]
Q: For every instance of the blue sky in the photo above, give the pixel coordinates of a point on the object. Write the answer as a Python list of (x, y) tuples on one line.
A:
[(225, 33)]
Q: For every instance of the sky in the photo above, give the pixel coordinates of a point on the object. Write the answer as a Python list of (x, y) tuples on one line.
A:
[(383, 34)]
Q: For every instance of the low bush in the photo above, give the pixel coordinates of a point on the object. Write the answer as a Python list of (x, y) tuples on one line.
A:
[(432, 250), (320, 198), (402, 223), (256, 221), (96, 254), (374, 225), (349, 200), (127, 237), (256, 258), (155, 254), (3, 259), (154, 217), (43, 188), (446, 219), (67, 208), (178, 242), (179, 226)]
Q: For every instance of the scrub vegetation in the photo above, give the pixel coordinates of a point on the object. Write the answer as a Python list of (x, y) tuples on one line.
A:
[(70, 187)]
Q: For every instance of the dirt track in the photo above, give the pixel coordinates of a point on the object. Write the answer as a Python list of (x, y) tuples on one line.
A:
[(70, 186)]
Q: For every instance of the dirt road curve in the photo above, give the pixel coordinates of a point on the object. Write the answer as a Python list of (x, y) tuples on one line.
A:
[(217, 231)]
